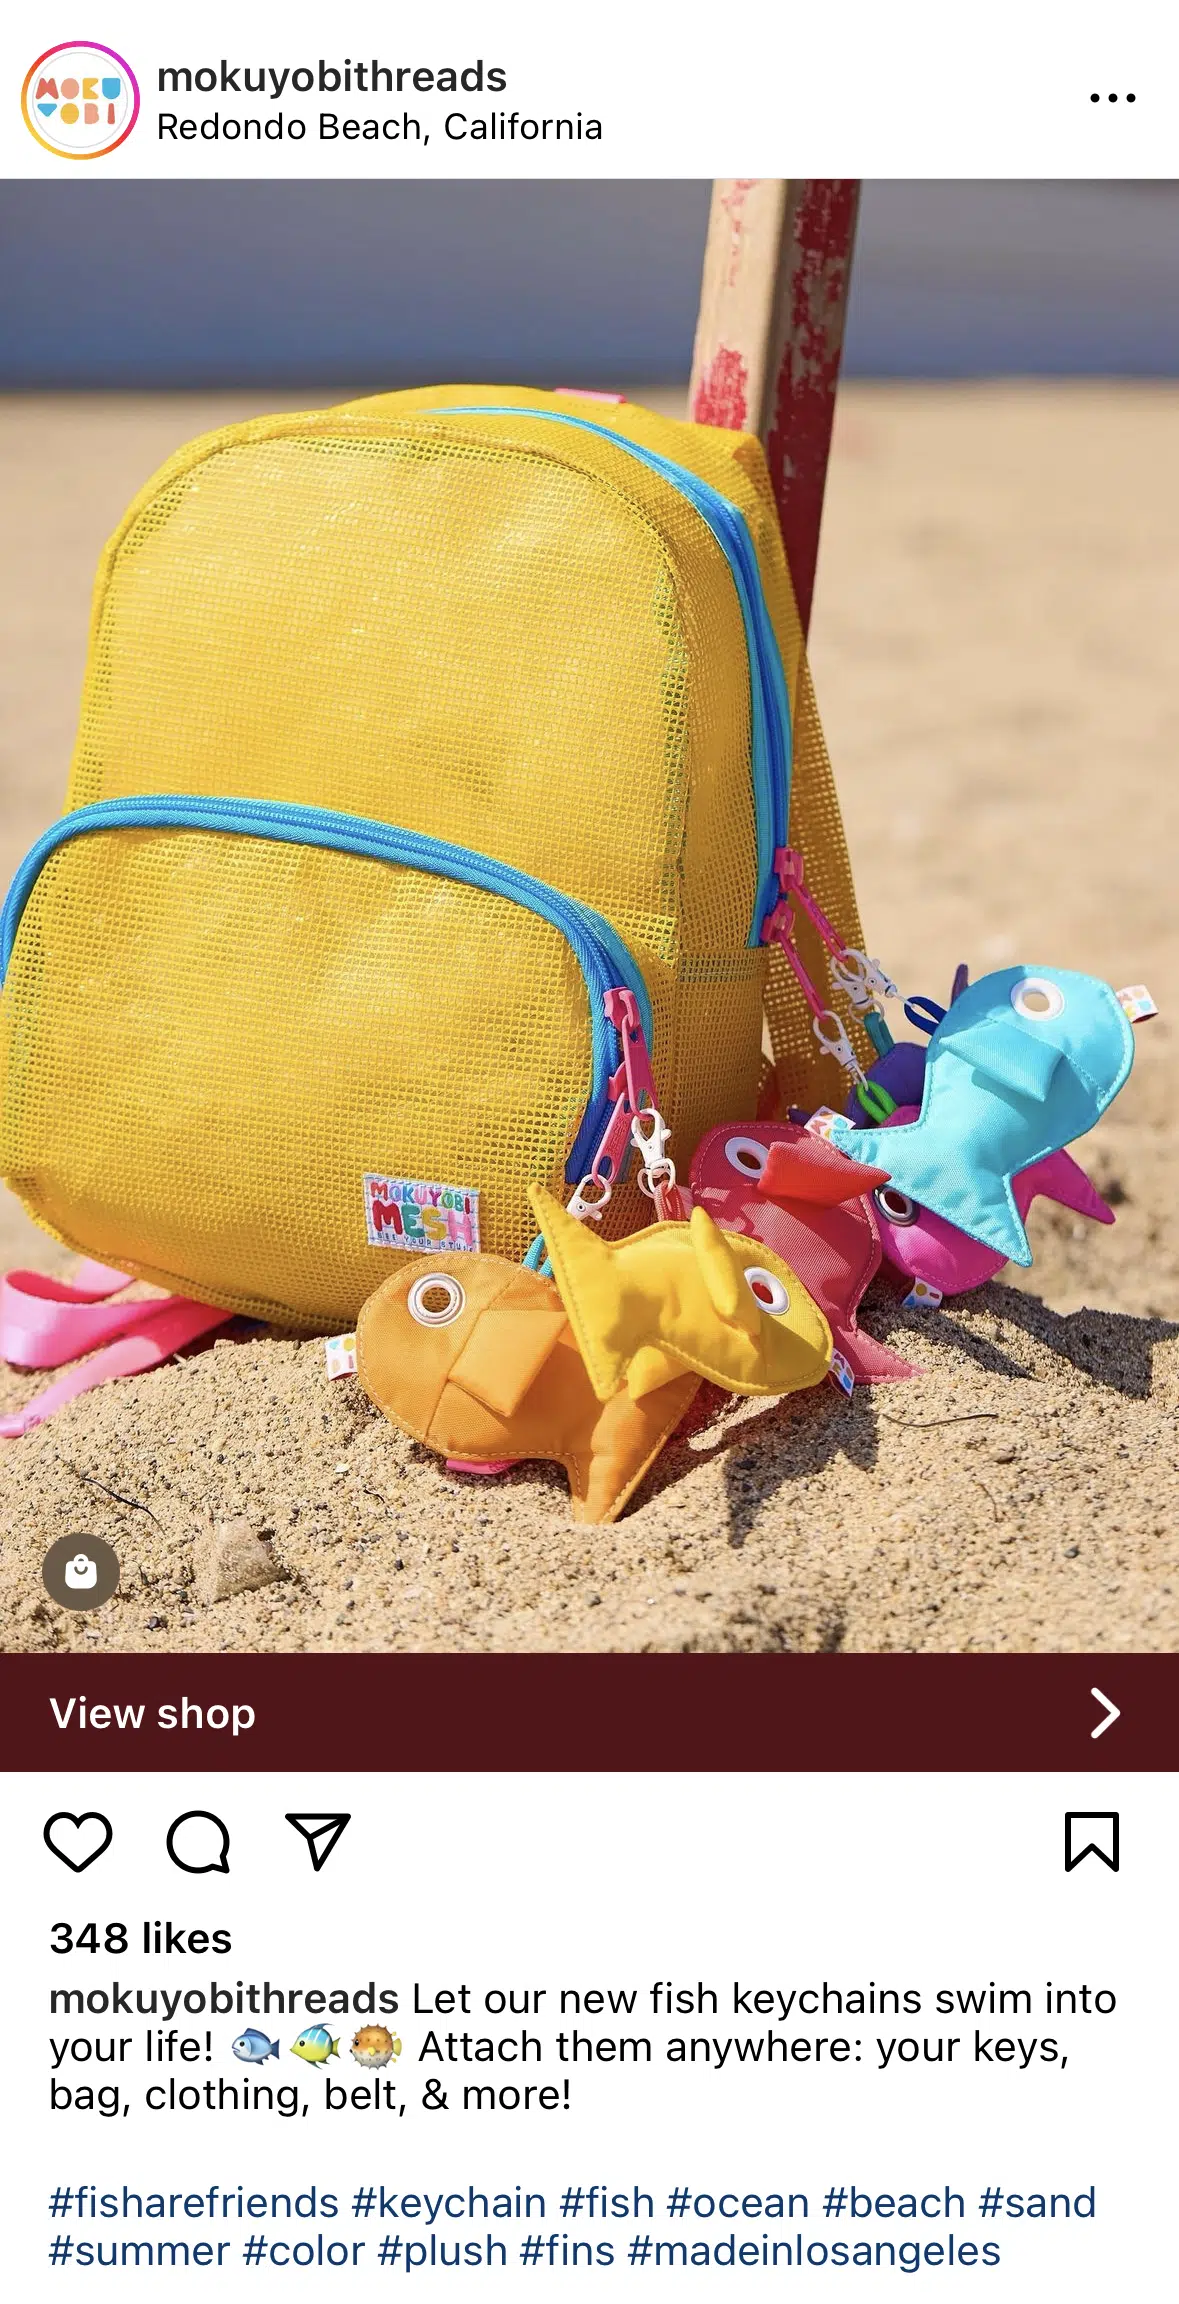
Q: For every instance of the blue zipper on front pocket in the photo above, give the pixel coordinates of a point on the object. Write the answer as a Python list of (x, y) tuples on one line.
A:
[(771, 730), (600, 952)]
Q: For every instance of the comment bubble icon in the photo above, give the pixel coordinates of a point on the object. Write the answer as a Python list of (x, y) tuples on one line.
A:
[(198, 1841)]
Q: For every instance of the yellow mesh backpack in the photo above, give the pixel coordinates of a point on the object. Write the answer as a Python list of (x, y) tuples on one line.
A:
[(410, 729)]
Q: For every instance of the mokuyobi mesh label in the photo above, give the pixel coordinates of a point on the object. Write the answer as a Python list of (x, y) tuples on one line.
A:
[(401, 1212)]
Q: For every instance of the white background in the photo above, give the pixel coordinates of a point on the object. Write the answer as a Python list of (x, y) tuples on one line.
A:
[(524, 1880), (510, 1881), (913, 88)]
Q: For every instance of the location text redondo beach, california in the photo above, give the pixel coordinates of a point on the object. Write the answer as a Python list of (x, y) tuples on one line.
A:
[(278, 84)]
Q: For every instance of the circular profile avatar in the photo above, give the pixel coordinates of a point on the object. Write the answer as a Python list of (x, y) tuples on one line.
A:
[(80, 100)]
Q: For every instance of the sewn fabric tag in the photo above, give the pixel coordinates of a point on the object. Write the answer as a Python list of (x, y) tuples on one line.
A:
[(340, 1355), (822, 1123), (922, 1297), (840, 1373), (1135, 1000), (400, 1212)]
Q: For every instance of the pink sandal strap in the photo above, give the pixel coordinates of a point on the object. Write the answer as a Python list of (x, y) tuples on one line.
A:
[(45, 1322), (153, 1332)]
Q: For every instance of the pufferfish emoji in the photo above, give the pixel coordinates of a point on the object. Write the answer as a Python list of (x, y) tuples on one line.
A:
[(373, 2046), (315, 2044)]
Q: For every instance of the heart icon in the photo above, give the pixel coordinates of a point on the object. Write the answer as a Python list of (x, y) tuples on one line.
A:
[(78, 1840)]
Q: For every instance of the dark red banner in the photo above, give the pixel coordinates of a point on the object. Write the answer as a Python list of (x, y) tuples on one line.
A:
[(590, 1712)]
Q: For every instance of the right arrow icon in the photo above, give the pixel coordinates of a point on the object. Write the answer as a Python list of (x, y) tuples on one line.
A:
[(1111, 1711)]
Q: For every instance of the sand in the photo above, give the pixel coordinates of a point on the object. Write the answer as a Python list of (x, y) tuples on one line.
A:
[(993, 647)]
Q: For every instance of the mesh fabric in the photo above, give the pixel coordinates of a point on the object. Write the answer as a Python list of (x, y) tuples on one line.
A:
[(487, 629)]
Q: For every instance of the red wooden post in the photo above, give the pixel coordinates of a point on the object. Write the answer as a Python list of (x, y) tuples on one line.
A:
[(770, 337)]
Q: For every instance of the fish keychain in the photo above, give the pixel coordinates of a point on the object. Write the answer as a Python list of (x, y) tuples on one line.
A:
[(774, 1181), (922, 1246), (918, 1244), (475, 1357), (679, 1297), (1022, 1062)]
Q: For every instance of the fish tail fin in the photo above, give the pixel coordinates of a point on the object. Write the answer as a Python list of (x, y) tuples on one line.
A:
[(872, 1362), (587, 1281), (1061, 1178), (273, 2049)]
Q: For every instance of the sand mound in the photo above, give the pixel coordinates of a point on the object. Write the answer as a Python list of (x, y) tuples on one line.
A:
[(1023, 1494)]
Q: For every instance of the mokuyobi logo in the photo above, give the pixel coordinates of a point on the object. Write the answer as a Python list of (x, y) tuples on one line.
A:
[(80, 100)]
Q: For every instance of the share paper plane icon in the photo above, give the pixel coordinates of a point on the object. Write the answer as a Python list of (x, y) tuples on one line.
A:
[(321, 1834)]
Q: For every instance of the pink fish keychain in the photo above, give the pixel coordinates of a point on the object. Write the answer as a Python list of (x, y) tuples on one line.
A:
[(924, 1247), (776, 1182)]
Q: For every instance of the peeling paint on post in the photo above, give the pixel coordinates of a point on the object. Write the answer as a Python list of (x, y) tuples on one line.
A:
[(812, 302), (742, 256)]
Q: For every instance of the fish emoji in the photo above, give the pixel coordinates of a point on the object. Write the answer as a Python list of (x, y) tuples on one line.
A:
[(683, 1296), (254, 2047), (475, 1357), (374, 2046), (1022, 1062), (315, 2044), (775, 1183), (924, 1247)]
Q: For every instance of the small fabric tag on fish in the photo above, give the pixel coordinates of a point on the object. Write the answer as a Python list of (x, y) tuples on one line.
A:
[(823, 1123), (922, 1297), (840, 1373), (1135, 1000), (399, 1212), (340, 1355)]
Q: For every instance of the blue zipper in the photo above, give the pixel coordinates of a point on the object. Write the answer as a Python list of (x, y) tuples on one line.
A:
[(772, 744), (601, 954)]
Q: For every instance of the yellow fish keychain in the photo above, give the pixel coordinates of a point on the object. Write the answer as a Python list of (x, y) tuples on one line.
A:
[(683, 1296)]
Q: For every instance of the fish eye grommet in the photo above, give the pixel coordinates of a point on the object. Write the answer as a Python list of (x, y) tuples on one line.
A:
[(746, 1155), (1037, 999), (767, 1290), (896, 1206), (435, 1300)]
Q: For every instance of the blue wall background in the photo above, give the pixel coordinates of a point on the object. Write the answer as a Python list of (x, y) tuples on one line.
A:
[(178, 285)]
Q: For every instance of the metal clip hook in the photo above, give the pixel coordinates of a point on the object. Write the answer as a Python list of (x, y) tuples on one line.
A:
[(836, 1043), (862, 980), (650, 1134), (589, 1200)]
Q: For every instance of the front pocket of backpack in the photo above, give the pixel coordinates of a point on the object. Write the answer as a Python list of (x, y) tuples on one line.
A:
[(215, 1036)]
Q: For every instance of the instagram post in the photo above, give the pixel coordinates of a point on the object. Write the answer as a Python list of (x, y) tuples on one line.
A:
[(589, 1267)]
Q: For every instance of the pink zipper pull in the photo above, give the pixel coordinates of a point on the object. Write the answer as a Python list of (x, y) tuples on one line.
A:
[(791, 876), (862, 981), (634, 1119), (778, 928)]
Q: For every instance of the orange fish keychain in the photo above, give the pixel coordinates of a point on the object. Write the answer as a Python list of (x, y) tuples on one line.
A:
[(474, 1356)]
